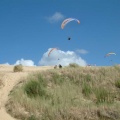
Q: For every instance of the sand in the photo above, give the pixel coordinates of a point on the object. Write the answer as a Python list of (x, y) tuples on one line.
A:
[(9, 80)]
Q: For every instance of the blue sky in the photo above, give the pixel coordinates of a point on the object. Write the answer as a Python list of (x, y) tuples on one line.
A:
[(30, 28)]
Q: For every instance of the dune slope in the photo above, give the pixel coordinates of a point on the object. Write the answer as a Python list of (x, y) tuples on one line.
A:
[(8, 80)]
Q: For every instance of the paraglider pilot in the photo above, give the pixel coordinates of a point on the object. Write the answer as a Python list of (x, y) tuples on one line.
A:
[(69, 38), (60, 66)]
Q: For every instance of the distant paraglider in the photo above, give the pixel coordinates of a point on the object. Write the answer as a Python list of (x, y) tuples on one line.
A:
[(110, 53), (51, 51), (66, 21)]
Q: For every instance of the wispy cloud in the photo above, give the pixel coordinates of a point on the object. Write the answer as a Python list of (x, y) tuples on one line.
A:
[(82, 51), (57, 16), (61, 57), (25, 62)]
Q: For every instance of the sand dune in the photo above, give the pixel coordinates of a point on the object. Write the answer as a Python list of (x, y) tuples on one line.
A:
[(8, 80)]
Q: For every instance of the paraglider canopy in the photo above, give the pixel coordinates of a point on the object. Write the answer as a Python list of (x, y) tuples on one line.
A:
[(52, 51), (66, 21), (110, 53)]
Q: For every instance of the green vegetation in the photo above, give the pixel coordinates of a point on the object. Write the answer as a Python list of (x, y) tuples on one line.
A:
[(103, 95), (18, 68), (117, 83), (73, 65), (70, 93)]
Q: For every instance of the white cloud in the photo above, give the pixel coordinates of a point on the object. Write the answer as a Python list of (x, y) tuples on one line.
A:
[(25, 62), (60, 57), (82, 51), (6, 63), (55, 17)]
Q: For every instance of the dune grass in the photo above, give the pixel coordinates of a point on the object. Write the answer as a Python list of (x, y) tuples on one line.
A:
[(70, 93), (18, 68)]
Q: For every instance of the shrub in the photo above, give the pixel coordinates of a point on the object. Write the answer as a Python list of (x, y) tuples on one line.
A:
[(86, 89), (32, 117), (34, 88), (88, 77), (73, 65), (117, 83), (57, 79), (18, 68), (103, 96), (41, 80)]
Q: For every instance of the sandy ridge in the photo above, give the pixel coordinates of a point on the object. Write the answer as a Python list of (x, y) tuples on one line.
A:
[(9, 80)]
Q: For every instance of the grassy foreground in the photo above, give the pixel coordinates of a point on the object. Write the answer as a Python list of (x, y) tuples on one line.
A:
[(70, 93)]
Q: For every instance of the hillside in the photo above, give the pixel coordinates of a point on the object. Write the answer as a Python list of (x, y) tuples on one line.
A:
[(8, 79), (70, 93)]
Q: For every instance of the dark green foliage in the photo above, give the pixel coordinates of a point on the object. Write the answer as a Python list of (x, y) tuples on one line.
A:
[(103, 96), (42, 81), (57, 79), (88, 77), (117, 83), (86, 89), (73, 65), (32, 117), (36, 86), (18, 68)]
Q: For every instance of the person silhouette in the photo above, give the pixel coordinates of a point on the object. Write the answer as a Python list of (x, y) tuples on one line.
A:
[(60, 66)]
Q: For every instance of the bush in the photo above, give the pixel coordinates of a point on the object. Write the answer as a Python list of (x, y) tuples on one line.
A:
[(103, 96), (88, 77), (73, 65), (86, 89), (32, 117), (57, 79), (18, 68), (117, 83), (34, 88)]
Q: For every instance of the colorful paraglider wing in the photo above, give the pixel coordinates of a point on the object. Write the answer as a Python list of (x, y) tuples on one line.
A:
[(110, 53), (67, 21), (51, 51)]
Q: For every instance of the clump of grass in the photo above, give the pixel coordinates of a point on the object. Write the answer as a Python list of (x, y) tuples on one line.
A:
[(36, 87), (88, 77), (33, 89), (73, 65), (103, 96), (18, 68), (57, 78), (86, 89), (117, 83), (32, 117), (42, 81)]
